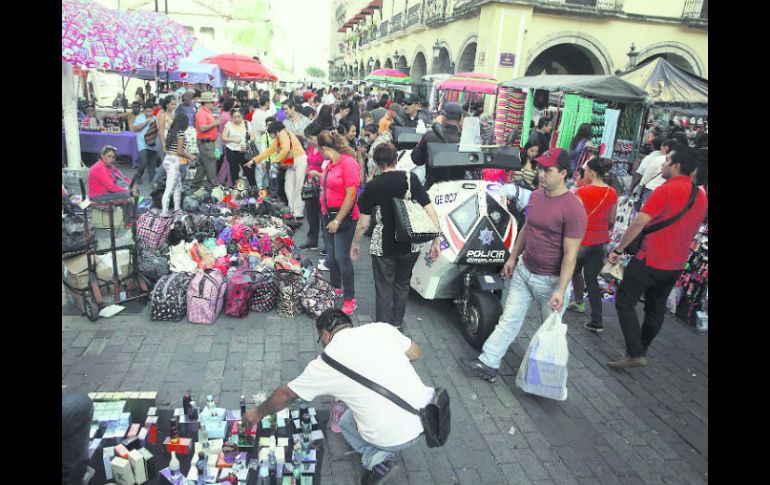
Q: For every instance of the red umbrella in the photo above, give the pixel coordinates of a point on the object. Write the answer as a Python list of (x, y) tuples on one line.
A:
[(241, 67)]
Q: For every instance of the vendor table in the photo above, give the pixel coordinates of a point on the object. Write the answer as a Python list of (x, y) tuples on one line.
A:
[(93, 141), (161, 457)]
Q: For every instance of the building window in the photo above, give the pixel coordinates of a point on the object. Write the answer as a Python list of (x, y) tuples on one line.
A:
[(207, 33), (189, 29)]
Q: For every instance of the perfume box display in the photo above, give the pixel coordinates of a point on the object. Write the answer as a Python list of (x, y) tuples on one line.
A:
[(149, 461), (166, 478), (183, 447), (138, 466), (122, 472), (108, 452), (121, 451)]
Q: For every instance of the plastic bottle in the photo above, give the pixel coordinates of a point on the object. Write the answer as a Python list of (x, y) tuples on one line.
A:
[(173, 465)]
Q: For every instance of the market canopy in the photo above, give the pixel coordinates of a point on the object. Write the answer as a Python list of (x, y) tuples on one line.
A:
[(610, 88), (668, 85), (187, 72), (471, 82), (388, 75)]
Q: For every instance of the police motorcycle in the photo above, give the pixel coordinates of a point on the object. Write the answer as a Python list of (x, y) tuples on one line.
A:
[(477, 230)]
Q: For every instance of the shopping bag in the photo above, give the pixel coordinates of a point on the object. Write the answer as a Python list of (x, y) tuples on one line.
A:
[(543, 371), (612, 271)]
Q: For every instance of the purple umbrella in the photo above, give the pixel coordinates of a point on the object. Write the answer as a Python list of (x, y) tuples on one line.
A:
[(95, 37)]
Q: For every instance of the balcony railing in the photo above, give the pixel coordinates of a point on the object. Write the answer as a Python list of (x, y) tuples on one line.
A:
[(364, 37), (696, 9), (615, 5), (384, 29), (435, 11), (413, 16), (395, 22)]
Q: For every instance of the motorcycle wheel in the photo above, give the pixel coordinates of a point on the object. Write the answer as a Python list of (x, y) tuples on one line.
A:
[(484, 311)]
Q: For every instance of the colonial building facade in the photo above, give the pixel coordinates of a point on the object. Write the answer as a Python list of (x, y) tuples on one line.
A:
[(513, 38)]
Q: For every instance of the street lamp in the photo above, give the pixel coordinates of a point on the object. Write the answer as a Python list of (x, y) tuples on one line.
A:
[(395, 59), (632, 55), (371, 63), (436, 49)]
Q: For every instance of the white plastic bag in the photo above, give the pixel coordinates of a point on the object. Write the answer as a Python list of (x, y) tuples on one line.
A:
[(543, 371)]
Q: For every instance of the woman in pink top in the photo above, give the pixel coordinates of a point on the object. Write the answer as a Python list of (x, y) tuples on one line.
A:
[(105, 182), (339, 186), (315, 161)]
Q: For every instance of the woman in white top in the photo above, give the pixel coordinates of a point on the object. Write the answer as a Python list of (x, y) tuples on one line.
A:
[(235, 136), (165, 118)]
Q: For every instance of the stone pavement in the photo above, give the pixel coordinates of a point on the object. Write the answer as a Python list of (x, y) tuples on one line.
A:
[(645, 425)]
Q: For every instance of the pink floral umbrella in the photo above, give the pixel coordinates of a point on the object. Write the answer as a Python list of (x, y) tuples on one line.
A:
[(95, 37), (160, 40)]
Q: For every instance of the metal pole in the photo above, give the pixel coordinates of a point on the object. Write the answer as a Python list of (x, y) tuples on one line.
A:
[(69, 111)]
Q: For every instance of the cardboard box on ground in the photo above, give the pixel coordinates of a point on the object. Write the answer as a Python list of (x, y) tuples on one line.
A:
[(101, 218), (75, 270)]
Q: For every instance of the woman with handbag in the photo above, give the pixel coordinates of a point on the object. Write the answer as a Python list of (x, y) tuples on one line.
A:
[(290, 154), (175, 159), (339, 187), (600, 202), (392, 261), (312, 190), (237, 135)]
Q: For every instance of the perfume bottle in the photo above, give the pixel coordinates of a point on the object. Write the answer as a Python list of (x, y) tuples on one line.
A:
[(272, 464), (297, 471), (192, 414), (264, 475), (186, 399), (173, 465), (200, 465), (174, 432), (203, 435), (211, 405), (244, 424)]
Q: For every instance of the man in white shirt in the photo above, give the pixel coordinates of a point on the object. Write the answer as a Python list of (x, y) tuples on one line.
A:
[(372, 425), (653, 178), (656, 143), (331, 96)]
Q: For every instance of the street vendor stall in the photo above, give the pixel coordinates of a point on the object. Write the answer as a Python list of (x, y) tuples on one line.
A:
[(93, 141), (611, 105), (467, 88)]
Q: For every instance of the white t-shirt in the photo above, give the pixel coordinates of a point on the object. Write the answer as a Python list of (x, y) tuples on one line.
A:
[(646, 162), (328, 99), (652, 178), (377, 351)]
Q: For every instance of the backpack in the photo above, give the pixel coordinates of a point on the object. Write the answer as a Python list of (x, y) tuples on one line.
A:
[(153, 227), (265, 294), (151, 135), (318, 295), (206, 296), (152, 263), (168, 300), (290, 287), (240, 290)]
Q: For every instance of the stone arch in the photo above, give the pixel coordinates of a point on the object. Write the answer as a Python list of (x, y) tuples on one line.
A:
[(377, 64), (402, 65), (444, 62), (601, 59), (678, 49), (466, 62), (388, 63), (361, 70), (419, 67)]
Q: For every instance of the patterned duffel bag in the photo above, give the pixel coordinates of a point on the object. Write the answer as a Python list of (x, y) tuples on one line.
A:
[(290, 286), (168, 301), (265, 291), (318, 295)]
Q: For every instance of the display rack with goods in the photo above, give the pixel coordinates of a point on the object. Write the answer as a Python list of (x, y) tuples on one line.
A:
[(512, 104), (690, 294)]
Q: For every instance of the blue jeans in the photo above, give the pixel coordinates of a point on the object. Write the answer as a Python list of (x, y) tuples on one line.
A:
[(338, 261), (525, 288), (77, 410), (371, 455)]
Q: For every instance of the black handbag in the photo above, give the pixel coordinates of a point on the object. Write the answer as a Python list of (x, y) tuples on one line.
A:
[(413, 225), (435, 416), (251, 146), (310, 191), (633, 248)]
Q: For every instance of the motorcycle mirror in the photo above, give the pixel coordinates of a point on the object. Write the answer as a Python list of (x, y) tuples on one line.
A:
[(512, 137), (438, 129)]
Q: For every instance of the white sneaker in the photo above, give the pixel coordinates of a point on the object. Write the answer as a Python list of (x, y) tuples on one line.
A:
[(322, 265)]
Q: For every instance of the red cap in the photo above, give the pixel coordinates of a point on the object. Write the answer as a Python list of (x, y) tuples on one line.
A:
[(307, 95), (554, 157)]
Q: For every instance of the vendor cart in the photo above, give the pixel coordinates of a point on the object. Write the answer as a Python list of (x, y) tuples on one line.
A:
[(125, 287), (467, 88)]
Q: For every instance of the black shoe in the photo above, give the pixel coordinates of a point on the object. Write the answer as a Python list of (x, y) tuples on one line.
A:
[(381, 473), (324, 253), (481, 370), (308, 245), (589, 325), (300, 218)]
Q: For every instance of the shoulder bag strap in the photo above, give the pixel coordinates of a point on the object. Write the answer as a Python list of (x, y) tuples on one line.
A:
[(600, 203), (668, 222), (371, 385), (408, 195)]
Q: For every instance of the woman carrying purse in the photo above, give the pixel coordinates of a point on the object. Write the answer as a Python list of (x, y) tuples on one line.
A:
[(315, 161)]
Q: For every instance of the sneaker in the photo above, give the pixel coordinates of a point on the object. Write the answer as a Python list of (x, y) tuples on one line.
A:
[(349, 306), (589, 325), (481, 370), (338, 291), (577, 307), (324, 253), (381, 473), (322, 265), (308, 246)]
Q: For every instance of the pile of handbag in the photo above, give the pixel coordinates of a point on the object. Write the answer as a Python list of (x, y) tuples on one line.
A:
[(204, 265), (73, 237)]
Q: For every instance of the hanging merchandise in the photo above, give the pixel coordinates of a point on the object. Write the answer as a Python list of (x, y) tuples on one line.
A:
[(526, 124), (598, 122), (568, 124), (611, 117), (509, 114), (691, 292)]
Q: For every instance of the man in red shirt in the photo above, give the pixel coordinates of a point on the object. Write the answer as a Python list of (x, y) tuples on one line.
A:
[(654, 270), (206, 128)]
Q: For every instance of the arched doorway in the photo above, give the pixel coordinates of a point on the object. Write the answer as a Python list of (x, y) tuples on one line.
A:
[(361, 71), (442, 65), (377, 64), (388, 63), (402, 65), (419, 68), (467, 62), (565, 59)]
